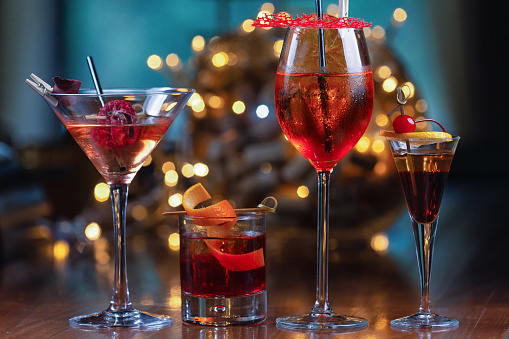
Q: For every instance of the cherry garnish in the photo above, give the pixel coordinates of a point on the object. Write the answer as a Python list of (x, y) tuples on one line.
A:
[(403, 124)]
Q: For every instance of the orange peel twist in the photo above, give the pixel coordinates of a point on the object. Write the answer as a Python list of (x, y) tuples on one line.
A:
[(218, 220)]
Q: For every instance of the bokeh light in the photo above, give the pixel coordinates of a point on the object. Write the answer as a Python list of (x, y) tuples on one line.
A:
[(303, 192), (93, 231), (155, 62), (262, 111), (101, 192), (174, 241)]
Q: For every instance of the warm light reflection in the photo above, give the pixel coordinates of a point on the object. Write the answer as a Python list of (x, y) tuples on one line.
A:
[(333, 9), (383, 72), (196, 102), (187, 170), (101, 192), (378, 146), (155, 62), (367, 31), (93, 231), (169, 107), (148, 146), (238, 107), (171, 178), (172, 60), (147, 161), (200, 169), (380, 242), (174, 301), (390, 84), (363, 144), (247, 26), (378, 32), (381, 120), (268, 7), (168, 166), (147, 302), (220, 59), (262, 13), (198, 43), (302, 191), (174, 241), (216, 101), (399, 15), (60, 250), (278, 46), (175, 200)]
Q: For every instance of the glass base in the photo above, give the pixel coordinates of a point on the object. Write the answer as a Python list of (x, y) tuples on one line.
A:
[(320, 321), (132, 319), (424, 320), (224, 311)]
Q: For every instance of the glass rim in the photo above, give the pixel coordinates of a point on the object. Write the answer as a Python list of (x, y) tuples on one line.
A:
[(240, 216), (431, 140), (128, 91)]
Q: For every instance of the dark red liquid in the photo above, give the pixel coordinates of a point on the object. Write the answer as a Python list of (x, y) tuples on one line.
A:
[(423, 177), (202, 275), (424, 204), (324, 116)]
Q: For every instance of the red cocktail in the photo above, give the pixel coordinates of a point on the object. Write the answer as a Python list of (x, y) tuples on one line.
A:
[(222, 269)]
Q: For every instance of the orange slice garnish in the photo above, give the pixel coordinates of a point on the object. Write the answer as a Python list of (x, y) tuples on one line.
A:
[(415, 135), (218, 220)]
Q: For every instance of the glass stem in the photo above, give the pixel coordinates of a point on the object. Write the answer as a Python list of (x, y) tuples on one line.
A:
[(424, 241), (120, 302), (322, 274)]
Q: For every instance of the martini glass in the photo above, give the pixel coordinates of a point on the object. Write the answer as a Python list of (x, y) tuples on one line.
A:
[(323, 109), (118, 151), (423, 166)]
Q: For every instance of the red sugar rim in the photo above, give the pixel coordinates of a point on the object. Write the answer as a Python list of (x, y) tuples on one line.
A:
[(286, 20)]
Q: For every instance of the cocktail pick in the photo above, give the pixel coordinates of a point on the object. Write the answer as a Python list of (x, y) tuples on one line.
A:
[(95, 78), (261, 208)]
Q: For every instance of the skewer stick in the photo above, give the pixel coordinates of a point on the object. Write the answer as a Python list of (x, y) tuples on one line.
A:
[(262, 208), (253, 209)]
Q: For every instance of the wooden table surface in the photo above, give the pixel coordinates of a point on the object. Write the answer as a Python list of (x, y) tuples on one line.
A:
[(470, 281)]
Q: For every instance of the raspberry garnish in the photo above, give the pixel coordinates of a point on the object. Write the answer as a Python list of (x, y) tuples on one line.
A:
[(117, 112)]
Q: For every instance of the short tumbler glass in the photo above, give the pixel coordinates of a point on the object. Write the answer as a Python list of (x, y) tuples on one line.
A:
[(222, 269)]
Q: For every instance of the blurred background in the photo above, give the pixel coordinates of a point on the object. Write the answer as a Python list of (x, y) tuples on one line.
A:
[(228, 138)]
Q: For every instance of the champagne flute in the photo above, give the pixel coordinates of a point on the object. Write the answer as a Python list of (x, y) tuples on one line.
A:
[(324, 100)]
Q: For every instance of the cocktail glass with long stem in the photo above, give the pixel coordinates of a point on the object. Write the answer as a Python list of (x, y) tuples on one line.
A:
[(423, 166), (118, 141), (323, 109)]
